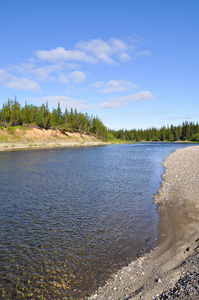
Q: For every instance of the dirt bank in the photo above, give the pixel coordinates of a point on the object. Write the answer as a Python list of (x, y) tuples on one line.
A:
[(176, 255), (27, 138)]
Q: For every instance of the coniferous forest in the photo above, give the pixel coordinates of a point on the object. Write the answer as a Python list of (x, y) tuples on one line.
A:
[(13, 114), (188, 131)]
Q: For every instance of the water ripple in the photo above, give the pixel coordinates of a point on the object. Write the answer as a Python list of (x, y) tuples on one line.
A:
[(71, 217)]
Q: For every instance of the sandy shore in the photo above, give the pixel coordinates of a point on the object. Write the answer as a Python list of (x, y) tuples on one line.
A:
[(48, 145), (171, 269)]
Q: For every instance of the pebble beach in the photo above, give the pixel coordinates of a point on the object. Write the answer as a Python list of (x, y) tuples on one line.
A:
[(171, 270)]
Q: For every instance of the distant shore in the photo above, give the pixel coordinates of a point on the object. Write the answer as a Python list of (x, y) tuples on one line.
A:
[(171, 269), (49, 145), (35, 138)]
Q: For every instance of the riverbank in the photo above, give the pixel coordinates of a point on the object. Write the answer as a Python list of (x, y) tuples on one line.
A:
[(34, 138), (170, 270)]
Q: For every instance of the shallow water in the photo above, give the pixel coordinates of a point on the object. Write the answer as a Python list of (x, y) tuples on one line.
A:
[(69, 218)]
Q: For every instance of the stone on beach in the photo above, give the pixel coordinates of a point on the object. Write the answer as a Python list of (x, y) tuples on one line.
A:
[(171, 270)]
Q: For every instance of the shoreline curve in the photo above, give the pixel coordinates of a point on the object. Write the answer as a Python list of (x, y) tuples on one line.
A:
[(178, 244)]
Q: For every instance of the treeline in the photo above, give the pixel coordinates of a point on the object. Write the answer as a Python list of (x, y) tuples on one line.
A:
[(185, 132), (13, 114)]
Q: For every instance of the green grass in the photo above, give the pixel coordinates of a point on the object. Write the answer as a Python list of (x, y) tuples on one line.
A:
[(3, 139), (11, 129)]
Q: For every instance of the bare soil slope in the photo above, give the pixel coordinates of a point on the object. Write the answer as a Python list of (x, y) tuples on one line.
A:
[(25, 137)]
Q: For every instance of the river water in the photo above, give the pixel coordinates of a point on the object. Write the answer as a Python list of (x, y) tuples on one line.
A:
[(71, 217)]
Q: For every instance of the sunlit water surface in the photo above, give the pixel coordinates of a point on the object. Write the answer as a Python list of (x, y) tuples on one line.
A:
[(69, 218)]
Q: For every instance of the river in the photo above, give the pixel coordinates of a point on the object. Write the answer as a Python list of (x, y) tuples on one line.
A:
[(71, 217)]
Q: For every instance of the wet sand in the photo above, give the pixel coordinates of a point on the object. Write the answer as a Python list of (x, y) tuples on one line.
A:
[(166, 270)]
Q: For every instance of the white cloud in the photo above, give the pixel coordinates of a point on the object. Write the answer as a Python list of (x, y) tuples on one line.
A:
[(49, 72), (64, 102), (60, 54), (141, 96), (17, 83), (118, 45), (92, 51), (105, 50), (62, 78), (41, 72), (62, 65), (124, 57), (44, 72), (99, 49), (77, 76), (114, 86), (113, 103), (4, 75), (122, 101), (23, 84)]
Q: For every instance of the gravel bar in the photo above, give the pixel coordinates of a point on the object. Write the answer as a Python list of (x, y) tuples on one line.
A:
[(171, 270)]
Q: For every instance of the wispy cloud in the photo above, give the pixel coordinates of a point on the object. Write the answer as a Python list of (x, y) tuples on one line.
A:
[(122, 101), (161, 112), (64, 102), (143, 53), (141, 96), (59, 54), (114, 86), (106, 51), (113, 103), (66, 66), (188, 117), (77, 76), (63, 78), (27, 75), (4, 75), (92, 51), (131, 113), (23, 84), (18, 83), (40, 72)]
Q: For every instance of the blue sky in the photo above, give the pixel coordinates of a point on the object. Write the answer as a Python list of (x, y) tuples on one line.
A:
[(134, 63)]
